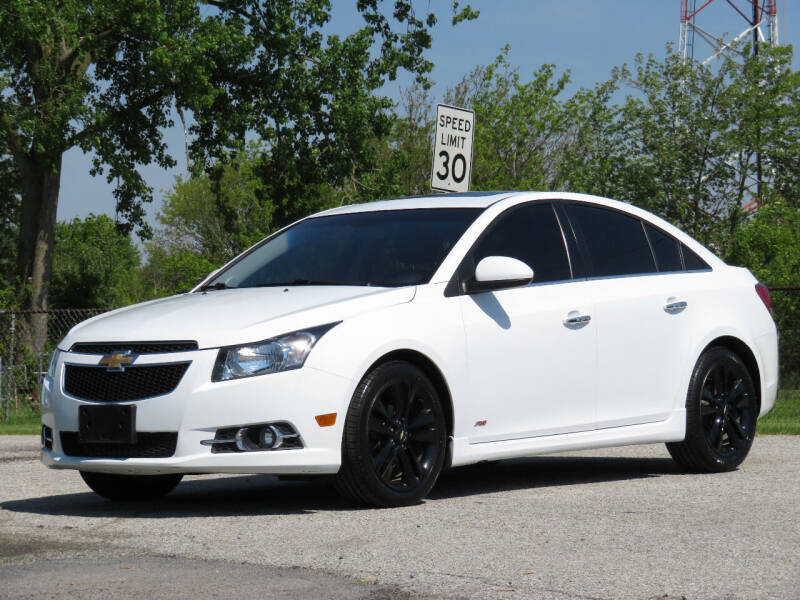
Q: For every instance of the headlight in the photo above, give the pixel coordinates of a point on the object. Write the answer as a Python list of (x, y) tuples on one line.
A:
[(282, 353)]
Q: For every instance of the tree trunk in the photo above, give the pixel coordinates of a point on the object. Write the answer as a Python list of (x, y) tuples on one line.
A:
[(40, 187)]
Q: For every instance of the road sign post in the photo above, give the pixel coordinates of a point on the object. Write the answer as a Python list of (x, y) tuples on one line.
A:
[(452, 149)]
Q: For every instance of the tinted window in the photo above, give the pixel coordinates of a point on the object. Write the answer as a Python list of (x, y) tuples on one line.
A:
[(616, 242), (666, 249), (692, 261), (531, 234), (382, 248)]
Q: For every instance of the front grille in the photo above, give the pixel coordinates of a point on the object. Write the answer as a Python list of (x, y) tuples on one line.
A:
[(134, 347), (134, 383), (160, 444)]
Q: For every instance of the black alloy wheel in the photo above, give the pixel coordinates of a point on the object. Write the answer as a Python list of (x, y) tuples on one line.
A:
[(395, 438), (721, 412)]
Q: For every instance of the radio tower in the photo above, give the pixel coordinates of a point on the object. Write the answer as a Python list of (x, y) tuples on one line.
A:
[(761, 17)]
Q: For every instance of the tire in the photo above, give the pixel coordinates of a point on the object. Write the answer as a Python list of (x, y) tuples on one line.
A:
[(130, 487), (721, 412), (395, 438)]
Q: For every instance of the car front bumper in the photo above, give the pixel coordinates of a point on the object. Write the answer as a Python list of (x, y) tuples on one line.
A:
[(198, 407)]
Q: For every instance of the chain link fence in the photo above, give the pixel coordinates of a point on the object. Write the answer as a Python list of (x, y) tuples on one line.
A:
[(786, 308), (21, 370)]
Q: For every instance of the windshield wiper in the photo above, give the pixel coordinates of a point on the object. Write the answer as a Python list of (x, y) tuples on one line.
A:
[(309, 282), (215, 286)]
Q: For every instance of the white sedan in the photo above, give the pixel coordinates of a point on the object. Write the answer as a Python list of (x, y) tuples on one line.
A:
[(381, 343)]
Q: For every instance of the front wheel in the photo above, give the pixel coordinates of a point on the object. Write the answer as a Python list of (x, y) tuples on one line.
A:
[(721, 413), (395, 438), (131, 487)]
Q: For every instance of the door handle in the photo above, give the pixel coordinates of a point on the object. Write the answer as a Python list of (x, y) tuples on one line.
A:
[(577, 320), (675, 306)]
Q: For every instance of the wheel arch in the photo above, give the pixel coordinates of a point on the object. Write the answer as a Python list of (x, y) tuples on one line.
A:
[(742, 350), (434, 374)]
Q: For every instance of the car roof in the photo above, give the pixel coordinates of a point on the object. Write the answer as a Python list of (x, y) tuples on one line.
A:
[(462, 200)]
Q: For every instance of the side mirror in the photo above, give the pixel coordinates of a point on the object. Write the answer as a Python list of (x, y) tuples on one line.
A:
[(499, 272)]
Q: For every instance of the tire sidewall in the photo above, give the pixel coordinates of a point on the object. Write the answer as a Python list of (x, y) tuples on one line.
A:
[(366, 396), (696, 434)]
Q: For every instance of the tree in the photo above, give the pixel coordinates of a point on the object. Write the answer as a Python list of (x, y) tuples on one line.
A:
[(685, 141), (168, 273), (520, 126), (103, 76), (219, 216), (94, 265), (9, 215)]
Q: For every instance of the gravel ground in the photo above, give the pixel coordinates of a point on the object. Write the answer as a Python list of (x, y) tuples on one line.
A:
[(615, 523)]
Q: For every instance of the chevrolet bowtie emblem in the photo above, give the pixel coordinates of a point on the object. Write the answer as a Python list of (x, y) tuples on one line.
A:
[(117, 361)]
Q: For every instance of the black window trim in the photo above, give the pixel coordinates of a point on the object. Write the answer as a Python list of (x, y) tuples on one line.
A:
[(457, 284)]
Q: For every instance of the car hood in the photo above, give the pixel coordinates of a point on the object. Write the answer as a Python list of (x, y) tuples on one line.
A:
[(236, 316)]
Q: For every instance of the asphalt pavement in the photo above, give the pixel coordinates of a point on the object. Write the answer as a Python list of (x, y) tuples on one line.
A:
[(613, 523)]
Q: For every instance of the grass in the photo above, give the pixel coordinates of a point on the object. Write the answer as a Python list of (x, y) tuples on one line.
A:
[(24, 420), (784, 418)]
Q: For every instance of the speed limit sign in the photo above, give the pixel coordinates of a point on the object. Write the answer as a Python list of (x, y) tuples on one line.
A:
[(452, 150)]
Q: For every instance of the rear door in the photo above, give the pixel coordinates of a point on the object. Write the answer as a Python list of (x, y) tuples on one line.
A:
[(641, 314)]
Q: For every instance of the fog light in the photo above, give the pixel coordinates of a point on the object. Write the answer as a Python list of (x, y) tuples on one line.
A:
[(267, 437), (47, 437)]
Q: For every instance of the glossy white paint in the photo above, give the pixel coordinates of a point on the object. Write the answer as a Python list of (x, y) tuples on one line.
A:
[(502, 268), (511, 357)]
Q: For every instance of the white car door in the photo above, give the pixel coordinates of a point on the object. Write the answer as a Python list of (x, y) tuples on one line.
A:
[(531, 350), (641, 315)]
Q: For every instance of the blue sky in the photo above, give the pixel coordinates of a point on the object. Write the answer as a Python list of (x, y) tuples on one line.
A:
[(588, 37)]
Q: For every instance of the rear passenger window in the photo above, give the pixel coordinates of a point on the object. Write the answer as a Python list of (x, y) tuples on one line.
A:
[(692, 261), (616, 242), (530, 234), (666, 249)]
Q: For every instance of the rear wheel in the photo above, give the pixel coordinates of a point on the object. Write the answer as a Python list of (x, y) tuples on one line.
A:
[(131, 487), (721, 413), (395, 437)]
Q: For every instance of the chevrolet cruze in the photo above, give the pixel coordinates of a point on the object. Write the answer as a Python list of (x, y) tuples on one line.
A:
[(381, 343)]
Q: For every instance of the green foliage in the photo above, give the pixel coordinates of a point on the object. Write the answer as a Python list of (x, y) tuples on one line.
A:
[(166, 274), (785, 417), (769, 244), (24, 420), (94, 265), (684, 143), (105, 76), (9, 229), (520, 126), (216, 216)]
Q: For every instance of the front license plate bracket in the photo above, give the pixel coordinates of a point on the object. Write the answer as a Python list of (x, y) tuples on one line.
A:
[(107, 424)]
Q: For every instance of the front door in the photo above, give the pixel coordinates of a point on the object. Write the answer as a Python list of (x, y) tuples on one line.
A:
[(531, 350)]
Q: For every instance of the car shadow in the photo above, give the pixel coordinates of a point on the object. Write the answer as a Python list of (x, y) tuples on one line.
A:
[(267, 495)]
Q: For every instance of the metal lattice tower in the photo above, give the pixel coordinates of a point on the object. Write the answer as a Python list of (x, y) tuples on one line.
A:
[(761, 17)]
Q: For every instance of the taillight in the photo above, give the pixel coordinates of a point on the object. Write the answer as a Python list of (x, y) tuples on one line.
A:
[(763, 293)]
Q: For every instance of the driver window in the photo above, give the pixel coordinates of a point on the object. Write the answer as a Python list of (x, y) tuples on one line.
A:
[(530, 233)]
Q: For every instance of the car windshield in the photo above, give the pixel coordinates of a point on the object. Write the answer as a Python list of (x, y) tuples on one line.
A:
[(382, 248)]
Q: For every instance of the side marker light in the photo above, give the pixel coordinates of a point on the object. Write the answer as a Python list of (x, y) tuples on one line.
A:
[(326, 420)]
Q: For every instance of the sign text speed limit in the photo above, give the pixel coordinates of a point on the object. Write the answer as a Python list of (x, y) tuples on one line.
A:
[(452, 150)]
